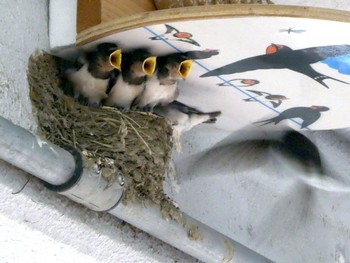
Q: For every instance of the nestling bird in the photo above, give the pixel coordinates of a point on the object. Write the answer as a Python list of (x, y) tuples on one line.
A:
[(183, 118), (136, 67), (162, 88), (91, 72)]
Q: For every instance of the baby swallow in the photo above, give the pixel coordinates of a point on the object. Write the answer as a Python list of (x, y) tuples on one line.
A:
[(136, 67), (183, 118), (91, 73), (161, 88)]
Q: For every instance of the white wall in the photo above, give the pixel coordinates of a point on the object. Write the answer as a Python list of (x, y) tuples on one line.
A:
[(37, 225)]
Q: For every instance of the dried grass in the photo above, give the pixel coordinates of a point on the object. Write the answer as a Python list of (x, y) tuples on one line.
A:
[(135, 144)]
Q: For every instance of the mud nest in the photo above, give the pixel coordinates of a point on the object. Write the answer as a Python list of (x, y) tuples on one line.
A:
[(135, 144)]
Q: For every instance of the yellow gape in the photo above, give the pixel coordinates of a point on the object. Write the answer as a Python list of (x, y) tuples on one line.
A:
[(115, 59), (185, 68), (149, 65)]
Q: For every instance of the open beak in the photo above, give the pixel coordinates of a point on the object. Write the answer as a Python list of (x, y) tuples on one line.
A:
[(149, 65), (185, 68), (115, 59)]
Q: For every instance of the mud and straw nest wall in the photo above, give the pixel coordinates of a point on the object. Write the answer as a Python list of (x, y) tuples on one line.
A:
[(135, 144)]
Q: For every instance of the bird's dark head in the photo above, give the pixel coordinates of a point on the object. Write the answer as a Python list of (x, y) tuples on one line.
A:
[(109, 54), (274, 48), (103, 60), (105, 49), (319, 108), (137, 65), (174, 67)]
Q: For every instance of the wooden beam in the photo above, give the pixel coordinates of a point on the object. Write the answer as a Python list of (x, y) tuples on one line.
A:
[(88, 14), (206, 13), (93, 12)]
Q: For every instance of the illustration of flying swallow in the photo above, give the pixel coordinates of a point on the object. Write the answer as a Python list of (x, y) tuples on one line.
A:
[(162, 88), (201, 54), (136, 67), (274, 99), (242, 82), (309, 115), (292, 30), (283, 57), (173, 34), (91, 72)]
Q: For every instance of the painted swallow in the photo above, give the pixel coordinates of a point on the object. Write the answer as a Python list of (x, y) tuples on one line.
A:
[(173, 34), (201, 54), (283, 57), (242, 82), (90, 73), (136, 67), (162, 88), (183, 118), (275, 99), (309, 115)]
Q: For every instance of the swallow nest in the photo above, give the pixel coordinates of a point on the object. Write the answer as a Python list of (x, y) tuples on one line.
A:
[(135, 144)]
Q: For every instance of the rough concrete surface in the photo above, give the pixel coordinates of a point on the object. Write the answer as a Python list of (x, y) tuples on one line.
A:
[(37, 225)]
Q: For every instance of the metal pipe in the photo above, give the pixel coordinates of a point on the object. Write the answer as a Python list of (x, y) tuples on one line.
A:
[(188, 235), (57, 167), (34, 155)]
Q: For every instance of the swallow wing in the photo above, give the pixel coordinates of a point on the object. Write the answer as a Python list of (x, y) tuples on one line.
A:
[(316, 54), (311, 118), (190, 41), (170, 29), (253, 63), (276, 104), (201, 54), (184, 108)]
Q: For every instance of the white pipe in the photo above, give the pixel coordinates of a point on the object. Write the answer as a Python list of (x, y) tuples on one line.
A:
[(34, 155), (57, 166), (207, 246)]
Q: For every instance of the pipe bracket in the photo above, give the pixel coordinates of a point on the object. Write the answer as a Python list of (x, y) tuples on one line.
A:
[(78, 171)]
